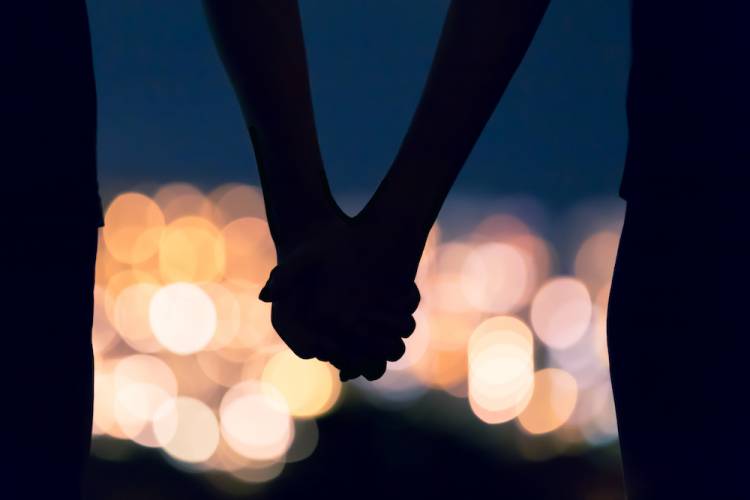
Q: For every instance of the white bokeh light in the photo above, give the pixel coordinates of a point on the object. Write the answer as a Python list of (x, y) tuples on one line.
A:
[(183, 318)]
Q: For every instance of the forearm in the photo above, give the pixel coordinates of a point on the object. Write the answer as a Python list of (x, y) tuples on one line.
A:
[(481, 46), (262, 48)]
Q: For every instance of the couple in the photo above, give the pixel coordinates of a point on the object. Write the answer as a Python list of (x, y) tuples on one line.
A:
[(676, 319)]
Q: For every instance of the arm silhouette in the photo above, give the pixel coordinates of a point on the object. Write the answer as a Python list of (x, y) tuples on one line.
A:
[(262, 48), (481, 45), (317, 308), (368, 263)]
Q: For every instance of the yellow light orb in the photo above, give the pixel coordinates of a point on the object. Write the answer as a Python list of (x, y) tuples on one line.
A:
[(191, 249), (561, 312), (132, 227), (255, 421), (443, 369), (255, 328), (553, 402), (181, 199), (234, 201), (182, 317), (309, 386), (106, 265), (250, 250), (187, 430)]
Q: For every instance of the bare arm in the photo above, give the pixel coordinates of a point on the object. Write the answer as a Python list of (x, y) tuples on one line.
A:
[(262, 47), (480, 48)]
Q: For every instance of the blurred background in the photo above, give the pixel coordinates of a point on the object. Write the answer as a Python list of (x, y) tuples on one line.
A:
[(504, 387)]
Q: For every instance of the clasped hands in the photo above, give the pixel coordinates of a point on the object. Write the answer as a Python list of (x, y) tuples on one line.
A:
[(345, 294)]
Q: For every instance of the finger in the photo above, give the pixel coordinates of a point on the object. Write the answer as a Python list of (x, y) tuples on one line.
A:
[(293, 332), (347, 369), (399, 299), (367, 354), (374, 370), (355, 352), (398, 350), (379, 343), (400, 325), (346, 375), (412, 298)]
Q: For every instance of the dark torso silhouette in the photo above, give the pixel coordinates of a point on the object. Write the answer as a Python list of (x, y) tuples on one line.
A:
[(49, 105), (688, 98), (676, 324), (51, 211)]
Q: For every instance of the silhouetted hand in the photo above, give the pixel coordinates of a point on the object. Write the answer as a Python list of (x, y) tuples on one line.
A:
[(345, 296)]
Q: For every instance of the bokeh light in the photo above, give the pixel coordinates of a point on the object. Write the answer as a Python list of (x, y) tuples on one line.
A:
[(183, 318), (561, 312), (142, 385), (132, 227), (495, 278), (501, 369), (553, 401), (191, 249), (249, 248), (103, 334), (309, 386), (179, 199), (595, 259), (187, 429), (255, 421), (131, 317), (187, 359)]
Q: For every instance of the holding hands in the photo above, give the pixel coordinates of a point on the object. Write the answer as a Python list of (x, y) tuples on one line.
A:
[(338, 297), (343, 290)]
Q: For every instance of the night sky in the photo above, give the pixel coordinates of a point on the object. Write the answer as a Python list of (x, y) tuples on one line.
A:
[(167, 112)]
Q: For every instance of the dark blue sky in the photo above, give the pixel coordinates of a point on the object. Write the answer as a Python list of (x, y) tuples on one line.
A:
[(167, 111)]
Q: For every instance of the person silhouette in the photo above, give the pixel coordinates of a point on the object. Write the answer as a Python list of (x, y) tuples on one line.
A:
[(676, 318), (51, 214)]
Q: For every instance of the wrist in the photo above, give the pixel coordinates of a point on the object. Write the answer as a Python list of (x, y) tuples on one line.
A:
[(310, 225), (398, 239)]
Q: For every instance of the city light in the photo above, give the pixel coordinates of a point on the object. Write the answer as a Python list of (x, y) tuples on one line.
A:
[(187, 360)]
